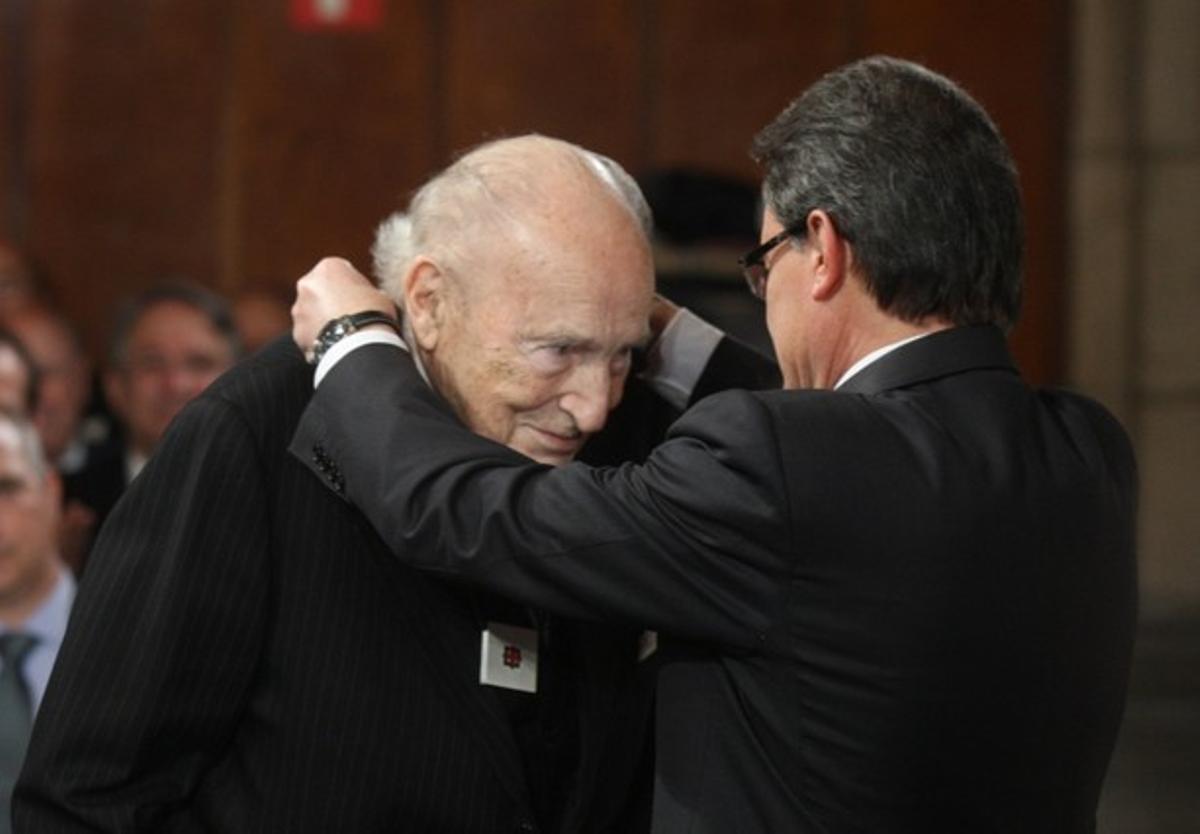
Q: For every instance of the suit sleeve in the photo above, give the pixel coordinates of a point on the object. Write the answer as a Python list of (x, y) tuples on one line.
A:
[(163, 640), (735, 365), (686, 543)]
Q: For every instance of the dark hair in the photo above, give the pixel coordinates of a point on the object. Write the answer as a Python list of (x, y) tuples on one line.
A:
[(211, 305), (915, 176), (33, 377)]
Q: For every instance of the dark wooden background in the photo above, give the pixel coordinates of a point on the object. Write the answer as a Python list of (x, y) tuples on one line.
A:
[(214, 140)]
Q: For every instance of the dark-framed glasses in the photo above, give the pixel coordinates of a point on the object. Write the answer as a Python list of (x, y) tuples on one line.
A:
[(754, 263)]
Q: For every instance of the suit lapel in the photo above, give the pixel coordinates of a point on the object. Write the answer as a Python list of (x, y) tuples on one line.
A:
[(940, 354)]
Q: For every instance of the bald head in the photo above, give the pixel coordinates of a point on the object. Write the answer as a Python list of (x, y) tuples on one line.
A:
[(505, 194), (525, 274)]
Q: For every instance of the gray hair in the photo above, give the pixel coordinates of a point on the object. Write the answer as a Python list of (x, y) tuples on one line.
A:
[(915, 176), (487, 189), (212, 306)]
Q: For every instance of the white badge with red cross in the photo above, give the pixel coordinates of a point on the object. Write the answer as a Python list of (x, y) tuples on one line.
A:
[(508, 657)]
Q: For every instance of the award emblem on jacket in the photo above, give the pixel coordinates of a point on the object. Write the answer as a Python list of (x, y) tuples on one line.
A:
[(508, 657)]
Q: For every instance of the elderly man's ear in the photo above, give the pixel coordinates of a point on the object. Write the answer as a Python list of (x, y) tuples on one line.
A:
[(425, 301)]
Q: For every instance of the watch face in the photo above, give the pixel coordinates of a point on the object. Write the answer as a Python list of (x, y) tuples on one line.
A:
[(343, 326)]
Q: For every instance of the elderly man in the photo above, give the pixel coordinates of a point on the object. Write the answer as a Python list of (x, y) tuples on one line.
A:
[(35, 591), (902, 588), (246, 655)]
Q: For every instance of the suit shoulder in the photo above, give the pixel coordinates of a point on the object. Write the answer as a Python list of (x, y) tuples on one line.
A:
[(271, 384), (1081, 414), (778, 403)]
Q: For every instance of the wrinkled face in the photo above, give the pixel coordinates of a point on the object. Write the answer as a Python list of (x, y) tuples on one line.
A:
[(173, 353), (534, 346), (28, 523)]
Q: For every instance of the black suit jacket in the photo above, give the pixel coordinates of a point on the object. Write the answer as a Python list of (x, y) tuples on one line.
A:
[(904, 606), (245, 655)]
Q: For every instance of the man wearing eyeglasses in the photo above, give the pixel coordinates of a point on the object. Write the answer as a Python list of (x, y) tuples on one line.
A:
[(895, 596)]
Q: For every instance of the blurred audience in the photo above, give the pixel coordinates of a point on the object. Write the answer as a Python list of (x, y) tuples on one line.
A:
[(167, 344), (64, 386), (35, 590), (63, 373)]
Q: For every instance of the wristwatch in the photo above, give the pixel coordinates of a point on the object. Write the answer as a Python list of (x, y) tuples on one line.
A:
[(337, 329)]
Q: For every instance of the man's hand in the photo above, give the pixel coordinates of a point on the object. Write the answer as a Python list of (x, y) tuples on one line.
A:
[(332, 288)]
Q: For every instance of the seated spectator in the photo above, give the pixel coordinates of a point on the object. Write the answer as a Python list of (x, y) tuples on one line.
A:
[(167, 345), (65, 380), (35, 591), (73, 444)]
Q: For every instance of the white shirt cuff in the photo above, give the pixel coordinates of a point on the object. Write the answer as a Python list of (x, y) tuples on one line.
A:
[(678, 357), (374, 336)]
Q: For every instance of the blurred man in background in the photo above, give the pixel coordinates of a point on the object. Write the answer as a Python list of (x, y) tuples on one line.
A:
[(36, 591), (167, 344), (75, 443)]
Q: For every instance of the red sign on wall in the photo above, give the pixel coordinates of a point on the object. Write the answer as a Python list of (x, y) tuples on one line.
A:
[(337, 14)]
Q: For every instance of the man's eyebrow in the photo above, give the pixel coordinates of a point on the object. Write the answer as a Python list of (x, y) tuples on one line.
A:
[(576, 341), (556, 337)]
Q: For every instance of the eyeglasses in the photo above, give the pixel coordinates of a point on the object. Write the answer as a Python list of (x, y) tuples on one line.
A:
[(754, 265)]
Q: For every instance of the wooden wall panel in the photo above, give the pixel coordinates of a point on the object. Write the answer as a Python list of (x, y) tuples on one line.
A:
[(1012, 57), (209, 138), (13, 96), (552, 66), (723, 70), (328, 133), (124, 103)]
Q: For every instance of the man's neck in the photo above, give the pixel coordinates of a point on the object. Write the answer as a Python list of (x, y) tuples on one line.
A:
[(15, 612), (871, 332)]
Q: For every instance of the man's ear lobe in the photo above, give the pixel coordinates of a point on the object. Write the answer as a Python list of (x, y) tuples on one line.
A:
[(424, 301)]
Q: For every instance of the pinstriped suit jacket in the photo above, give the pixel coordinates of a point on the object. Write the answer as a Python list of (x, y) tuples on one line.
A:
[(245, 655), (903, 607)]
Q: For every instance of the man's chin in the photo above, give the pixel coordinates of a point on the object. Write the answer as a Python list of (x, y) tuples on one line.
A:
[(548, 448)]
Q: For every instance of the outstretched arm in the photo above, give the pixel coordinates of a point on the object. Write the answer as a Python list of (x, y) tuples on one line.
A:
[(687, 543)]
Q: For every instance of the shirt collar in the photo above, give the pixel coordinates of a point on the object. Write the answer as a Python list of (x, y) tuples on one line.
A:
[(48, 622), (875, 356)]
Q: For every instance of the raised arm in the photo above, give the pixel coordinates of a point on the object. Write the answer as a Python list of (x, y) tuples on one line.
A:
[(682, 544)]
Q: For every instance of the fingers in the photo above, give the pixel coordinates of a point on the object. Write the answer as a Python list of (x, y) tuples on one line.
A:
[(331, 289)]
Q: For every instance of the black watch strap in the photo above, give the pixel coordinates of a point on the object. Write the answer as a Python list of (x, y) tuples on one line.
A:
[(337, 329)]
